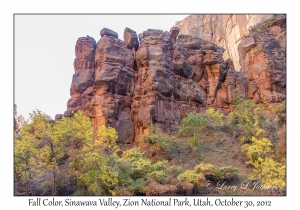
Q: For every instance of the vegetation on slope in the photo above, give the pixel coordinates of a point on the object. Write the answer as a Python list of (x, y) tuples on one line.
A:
[(211, 149)]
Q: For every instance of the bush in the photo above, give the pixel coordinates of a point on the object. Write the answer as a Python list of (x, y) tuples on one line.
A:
[(137, 171), (272, 174), (155, 188), (190, 176), (192, 127), (257, 151), (214, 117), (214, 173), (157, 141)]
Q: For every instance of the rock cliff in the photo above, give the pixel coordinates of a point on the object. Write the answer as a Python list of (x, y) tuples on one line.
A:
[(19, 120), (263, 60), (224, 30), (255, 43), (158, 77), (82, 86)]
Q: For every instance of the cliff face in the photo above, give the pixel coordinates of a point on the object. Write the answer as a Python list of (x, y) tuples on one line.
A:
[(224, 30), (82, 86), (263, 60), (255, 43), (130, 87), (158, 77), (19, 120)]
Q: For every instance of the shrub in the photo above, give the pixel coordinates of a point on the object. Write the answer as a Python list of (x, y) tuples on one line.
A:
[(192, 126), (190, 176), (214, 173), (214, 117), (257, 151), (272, 174), (155, 188), (156, 140)]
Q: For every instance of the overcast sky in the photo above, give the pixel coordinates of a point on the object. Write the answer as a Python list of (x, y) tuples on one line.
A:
[(45, 51)]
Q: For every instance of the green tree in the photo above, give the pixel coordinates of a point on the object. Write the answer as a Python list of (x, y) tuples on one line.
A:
[(96, 174), (245, 119), (270, 172), (138, 173), (257, 151), (157, 142), (50, 150), (74, 133), (25, 151), (139, 164), (98, 169), (38, 150), (249, 119), (193, 126), (190, 176)]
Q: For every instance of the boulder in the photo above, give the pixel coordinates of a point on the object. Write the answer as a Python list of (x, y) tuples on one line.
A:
[(108, 32), (131, 39)]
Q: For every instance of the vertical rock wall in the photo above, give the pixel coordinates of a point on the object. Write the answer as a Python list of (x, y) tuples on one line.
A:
[(81, 90), (114, 80), (160, 77), (263, 60), (225, 30), (132, 85), (256, 44)]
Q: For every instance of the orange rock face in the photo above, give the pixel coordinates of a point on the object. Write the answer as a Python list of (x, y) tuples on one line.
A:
[(263, 60), (159, 77), (83, 79), (255, 44), (225, 30), (114, 80), (165, 90)]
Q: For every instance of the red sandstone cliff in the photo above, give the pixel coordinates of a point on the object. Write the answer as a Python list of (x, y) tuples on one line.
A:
[(158, 77), (255, 43)]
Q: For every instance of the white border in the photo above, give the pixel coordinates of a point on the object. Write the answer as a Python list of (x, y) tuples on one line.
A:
[(8, 8)]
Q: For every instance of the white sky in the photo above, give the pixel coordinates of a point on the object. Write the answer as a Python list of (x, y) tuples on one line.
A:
[(45, 51)]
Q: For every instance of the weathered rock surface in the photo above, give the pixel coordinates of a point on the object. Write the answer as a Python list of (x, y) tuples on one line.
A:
[(108, 32), (255, 44), (113, 86), (225, 31), (19, 120), (83, 79), (18, 124), (161, 77), (58, 117), (131, 39), (164, 92), (263, 60)]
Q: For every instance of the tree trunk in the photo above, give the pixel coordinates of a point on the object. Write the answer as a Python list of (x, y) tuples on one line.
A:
[(26, 188), (53, 184)]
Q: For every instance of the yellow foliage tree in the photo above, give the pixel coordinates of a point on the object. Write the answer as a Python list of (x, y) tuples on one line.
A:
[(190, 176), (215, 117), (257, 151), (107, 137), (97, 163), (270, 172)]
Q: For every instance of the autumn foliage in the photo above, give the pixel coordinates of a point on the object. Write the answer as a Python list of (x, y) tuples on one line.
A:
[(63, 158)]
